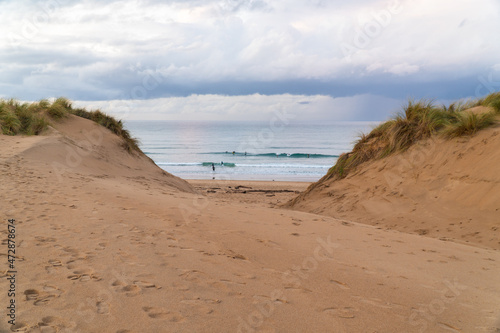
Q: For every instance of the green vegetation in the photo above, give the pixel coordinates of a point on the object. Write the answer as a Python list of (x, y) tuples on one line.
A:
[(17, 118), (418, 120), (34, 118), (60, 108), (492, 100), (468, 123)]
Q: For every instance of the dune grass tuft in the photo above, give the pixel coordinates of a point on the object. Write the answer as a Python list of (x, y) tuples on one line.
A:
[(468, 123), (9, 121), (492, 100), (60, 108), (34, 118), (17, 118), (115, 126), (418, 120)]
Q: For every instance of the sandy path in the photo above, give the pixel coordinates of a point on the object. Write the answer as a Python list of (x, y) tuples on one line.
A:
[(106, 255)]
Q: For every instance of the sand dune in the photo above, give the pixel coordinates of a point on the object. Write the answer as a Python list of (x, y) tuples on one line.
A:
[(447, 189), (108, 242)]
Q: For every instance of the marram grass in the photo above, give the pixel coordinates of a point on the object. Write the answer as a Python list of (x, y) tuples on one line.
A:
[(492, 100), (419, 120), (468, 123)]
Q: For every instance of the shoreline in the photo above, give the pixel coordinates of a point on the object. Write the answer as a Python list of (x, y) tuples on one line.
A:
[(259, 192), (257, 178), (250, 181)]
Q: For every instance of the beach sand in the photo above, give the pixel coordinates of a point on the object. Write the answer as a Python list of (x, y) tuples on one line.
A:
[(108, 242)]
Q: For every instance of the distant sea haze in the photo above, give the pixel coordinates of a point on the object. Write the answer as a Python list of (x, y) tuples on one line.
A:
[(246, 150)]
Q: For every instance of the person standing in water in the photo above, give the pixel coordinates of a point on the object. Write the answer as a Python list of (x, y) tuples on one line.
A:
[(213, 167)]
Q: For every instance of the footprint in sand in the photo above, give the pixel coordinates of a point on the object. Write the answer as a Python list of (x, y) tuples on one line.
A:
[(20, 327), (55, 262), (131, 290), (71, 250), (345, 312), (193, 275), (201, 305), (42, 297), (162, 313), (31, 294), (102, 307), (42, 240), (84, 275), (52, 324), (43, 300), (135, 288), (101, 247), (53, 290)]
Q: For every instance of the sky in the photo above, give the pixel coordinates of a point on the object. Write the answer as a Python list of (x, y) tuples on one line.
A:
[(320, 60)]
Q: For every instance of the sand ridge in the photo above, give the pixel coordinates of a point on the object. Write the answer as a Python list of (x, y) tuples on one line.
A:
[(114, 244)]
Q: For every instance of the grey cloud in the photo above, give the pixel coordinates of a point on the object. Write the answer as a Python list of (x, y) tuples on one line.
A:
[(99, 50)]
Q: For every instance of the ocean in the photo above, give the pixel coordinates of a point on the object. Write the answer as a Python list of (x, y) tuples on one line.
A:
[(246, 150)]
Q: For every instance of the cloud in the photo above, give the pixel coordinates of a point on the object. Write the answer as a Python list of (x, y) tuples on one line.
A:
[(104, 50), (253, 107)]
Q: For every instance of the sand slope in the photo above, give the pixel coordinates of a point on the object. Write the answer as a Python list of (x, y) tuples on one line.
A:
[(78, 146), (116, 245), (446, 189)]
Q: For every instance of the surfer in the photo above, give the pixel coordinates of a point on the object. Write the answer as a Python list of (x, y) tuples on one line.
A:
[(213, 167), (221, 163)]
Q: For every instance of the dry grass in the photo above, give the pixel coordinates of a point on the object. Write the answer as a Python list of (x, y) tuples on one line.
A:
[(115, 126), (468, 123)]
